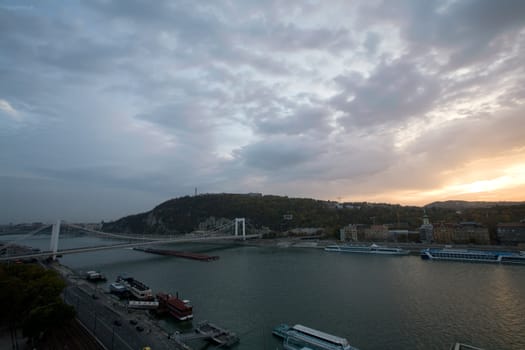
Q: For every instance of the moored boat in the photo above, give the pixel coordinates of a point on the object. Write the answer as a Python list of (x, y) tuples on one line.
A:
[(118, 288), (469, 255), (300, 337), (95, 276), (181, 309), (372, 249), (137, 289)]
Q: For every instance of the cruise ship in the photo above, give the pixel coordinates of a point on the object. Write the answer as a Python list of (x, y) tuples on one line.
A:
[(473, 255), (372, 249), (301, 337)]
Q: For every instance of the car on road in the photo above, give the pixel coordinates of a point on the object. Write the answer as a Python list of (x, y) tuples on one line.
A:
[(133, 322), (117, 323), (139, 328)]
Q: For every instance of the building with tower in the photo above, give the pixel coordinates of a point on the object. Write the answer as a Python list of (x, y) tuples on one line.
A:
[(426, 231)]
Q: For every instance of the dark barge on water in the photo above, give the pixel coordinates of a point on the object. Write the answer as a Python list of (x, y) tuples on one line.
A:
[(186, 255)]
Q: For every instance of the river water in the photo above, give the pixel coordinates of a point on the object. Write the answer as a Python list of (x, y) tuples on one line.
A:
[(376, 302)]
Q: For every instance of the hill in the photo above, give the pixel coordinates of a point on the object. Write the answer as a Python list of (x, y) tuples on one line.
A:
[(461, 205), (280, 213)]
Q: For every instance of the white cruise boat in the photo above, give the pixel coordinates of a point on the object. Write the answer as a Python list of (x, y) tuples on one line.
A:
[(137, 289), (372, 249), (483, 256), (300, 337)]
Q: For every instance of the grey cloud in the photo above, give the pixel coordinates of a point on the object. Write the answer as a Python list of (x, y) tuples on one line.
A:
[(371, 42), (27, 199), (278, 153), (304, 119), (471, 31), (393, 93), (480, 136), (279, 36), (25, 36), (183, 117)]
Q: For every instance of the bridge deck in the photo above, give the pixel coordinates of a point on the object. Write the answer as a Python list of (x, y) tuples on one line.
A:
[(128, 245)]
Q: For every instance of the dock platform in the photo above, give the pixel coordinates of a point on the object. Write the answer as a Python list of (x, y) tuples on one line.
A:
[(208, 331)]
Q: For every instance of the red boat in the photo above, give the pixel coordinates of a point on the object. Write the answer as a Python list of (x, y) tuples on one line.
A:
[(178, 308)]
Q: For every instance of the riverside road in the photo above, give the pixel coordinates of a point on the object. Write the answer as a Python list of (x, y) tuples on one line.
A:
[(109, 321)]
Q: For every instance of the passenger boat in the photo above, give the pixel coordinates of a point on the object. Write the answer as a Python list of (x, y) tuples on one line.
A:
[(473, 255), (300, 337), (372, 249), (95, 276), (118, 288), (178, 308), (137, 289)]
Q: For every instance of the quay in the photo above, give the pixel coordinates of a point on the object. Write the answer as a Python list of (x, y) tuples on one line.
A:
[(186, 255), (118, 325)]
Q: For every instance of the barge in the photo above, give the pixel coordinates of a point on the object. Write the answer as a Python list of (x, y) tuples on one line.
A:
[(186, 255)]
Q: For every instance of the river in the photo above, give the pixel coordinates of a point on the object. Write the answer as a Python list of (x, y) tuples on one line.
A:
[(376, 302)]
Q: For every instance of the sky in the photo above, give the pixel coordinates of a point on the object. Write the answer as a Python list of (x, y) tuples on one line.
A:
[(108, 108)]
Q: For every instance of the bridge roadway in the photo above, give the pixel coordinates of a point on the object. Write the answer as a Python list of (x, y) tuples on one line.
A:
[(128, 245)]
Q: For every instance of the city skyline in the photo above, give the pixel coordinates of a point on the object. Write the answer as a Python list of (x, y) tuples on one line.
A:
[(108, 108)]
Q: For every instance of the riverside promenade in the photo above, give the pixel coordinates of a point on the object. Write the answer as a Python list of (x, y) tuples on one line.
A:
[(109, 321)]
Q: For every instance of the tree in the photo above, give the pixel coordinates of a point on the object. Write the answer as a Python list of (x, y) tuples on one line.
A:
[(30, 299)]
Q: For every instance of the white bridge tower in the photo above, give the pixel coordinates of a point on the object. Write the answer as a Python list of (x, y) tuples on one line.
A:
[(54, 239), (240, 221)]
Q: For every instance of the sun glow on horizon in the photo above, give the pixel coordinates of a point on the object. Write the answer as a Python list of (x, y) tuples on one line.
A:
[(513, 176), (507, 185)]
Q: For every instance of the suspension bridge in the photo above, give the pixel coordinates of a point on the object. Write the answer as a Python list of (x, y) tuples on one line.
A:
[(217, 234)]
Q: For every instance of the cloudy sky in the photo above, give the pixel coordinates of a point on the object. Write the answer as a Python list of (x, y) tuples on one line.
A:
[(108, 108)]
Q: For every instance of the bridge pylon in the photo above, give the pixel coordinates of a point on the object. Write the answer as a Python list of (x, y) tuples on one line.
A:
[(54, 239), (240, 221)]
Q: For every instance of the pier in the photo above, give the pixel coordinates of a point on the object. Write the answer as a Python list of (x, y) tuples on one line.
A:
[(208, 331), (185, 255)]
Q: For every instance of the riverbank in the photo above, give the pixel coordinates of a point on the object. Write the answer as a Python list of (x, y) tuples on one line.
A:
[(108, 319), (414, 248)]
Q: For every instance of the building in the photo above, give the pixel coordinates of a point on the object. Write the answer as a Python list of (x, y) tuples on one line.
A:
[(398, 235), (471, 232), (463, 233), (351, 233), (511, 233), (443, 232), (376, 233), (426, 231)]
